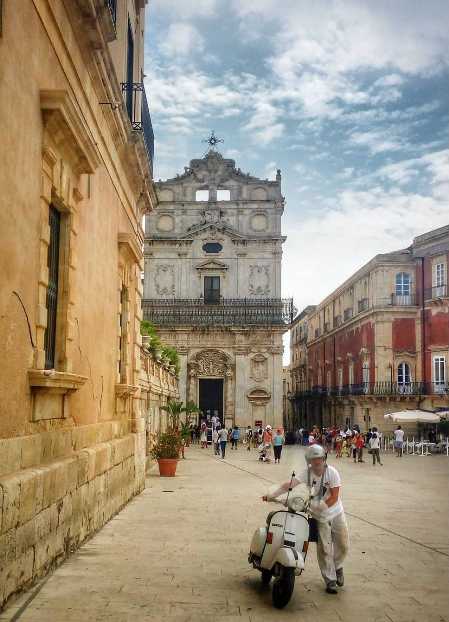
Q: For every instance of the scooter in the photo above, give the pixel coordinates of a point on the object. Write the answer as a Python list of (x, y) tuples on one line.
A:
[(279, 550)]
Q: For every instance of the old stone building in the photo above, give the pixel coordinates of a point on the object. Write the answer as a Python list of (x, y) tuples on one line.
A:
[(379, 343), (76, 178), (213, 287)]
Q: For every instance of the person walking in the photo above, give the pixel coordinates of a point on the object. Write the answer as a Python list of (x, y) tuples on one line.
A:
[(278, 442), (359, 444), (223, 439), (235, 436), (374, 445), (248, 437), (203, 435), (215, 441), (399, 441), (333, 536), (268, 443)]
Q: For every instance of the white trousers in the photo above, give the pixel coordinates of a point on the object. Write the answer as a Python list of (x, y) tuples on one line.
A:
[(332, 546)]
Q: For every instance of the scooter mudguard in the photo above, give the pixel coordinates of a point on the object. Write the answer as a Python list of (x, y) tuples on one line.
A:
[(288, 557), (258, 541)]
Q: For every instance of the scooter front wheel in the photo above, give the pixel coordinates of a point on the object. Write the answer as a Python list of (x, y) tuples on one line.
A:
[(283, 588)]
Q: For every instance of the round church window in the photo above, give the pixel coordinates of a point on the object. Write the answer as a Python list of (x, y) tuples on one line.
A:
[(212, 247)]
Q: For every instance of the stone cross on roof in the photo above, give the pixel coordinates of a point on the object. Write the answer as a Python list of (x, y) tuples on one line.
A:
[(213, 140)]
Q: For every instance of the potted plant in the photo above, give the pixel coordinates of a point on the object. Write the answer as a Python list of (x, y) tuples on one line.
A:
[(166, 451)]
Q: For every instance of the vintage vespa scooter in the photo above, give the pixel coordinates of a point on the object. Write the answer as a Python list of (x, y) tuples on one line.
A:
[(279, 550)]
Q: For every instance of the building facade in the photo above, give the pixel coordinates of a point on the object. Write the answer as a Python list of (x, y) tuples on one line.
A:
[(76, 179), (213, 287), (379, 343)]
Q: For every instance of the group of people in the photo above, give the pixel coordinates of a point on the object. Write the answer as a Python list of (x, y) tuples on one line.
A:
[(350, 442)]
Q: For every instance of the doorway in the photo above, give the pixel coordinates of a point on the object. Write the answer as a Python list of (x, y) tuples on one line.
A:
[(211, 397)]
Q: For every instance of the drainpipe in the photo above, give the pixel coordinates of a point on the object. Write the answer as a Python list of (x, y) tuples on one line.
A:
[(423, 335)]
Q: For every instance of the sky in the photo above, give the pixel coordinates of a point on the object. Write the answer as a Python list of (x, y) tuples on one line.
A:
[(348, 98)]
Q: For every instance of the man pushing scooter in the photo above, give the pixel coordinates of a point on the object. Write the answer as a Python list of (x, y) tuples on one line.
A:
[(326, 507)]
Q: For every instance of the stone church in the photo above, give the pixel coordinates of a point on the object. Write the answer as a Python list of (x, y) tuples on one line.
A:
[(212, 286)]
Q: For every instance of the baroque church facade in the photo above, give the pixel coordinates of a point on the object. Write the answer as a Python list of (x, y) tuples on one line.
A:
[(212, 286)]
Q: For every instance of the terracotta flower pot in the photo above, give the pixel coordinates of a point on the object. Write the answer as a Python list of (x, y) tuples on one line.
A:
[(167, 466)]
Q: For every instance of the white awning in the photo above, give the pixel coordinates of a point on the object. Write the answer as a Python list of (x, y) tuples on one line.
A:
[(413, 416)]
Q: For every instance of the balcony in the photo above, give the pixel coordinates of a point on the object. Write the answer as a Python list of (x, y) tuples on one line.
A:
[(369, 389), (139, 115), (111, 5), (227, 312), (432, 293)]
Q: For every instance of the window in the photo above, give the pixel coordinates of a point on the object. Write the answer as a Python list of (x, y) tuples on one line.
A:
[(328, 381), (202, 195), (351, 373), (439, 279), (211, 290), (348, 313), (403, 376), (365, 377), (439, 274), (52, 288), (123, 320), (130, 71), (439, 373), (212, 247), (340, 378), (223, 195), (403, 284)]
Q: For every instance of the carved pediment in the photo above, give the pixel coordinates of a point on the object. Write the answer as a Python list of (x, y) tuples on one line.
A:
[(68, 130), (212, 264), (213, 228)]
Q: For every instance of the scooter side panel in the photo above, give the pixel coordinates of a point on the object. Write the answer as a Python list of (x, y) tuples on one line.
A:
[(258, 541)]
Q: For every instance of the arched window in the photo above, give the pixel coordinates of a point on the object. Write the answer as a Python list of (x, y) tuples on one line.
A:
[(403, 374), (403, 284)]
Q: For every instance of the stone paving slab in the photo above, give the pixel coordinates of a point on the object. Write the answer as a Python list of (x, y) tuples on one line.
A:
[(180, 556)]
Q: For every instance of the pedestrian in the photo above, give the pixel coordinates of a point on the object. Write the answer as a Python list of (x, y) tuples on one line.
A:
[(268, 442), (248, 437), (374, 445), (235, 436), (326, 507), (398, 441), (329, 440), (360, 444), (278, 442), (203, 435), (215, 442), (223, 438), (338, 446), (354, 446)]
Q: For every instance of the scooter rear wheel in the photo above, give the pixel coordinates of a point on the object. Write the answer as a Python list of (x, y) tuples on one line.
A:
[(283, 588), (266, 577)]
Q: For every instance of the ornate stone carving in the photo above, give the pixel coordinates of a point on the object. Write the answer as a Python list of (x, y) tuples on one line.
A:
[(259, 280), (259, 367), (164, 280), (211, 363)]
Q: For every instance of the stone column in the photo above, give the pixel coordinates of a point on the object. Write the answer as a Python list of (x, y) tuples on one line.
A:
[(276, 398), (242, 407), (229, 405), (183, 374), (192, 391)]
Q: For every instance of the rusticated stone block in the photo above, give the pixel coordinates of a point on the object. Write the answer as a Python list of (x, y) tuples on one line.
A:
[(10, 455), (11, 502), (8, 544), (83, 467), (25, 537), (31, 448)]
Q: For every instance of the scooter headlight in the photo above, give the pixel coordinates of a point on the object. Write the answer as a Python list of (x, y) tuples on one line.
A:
[(297, 504)]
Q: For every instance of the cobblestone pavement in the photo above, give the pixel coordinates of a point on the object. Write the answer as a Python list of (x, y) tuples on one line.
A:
[(178, 552)]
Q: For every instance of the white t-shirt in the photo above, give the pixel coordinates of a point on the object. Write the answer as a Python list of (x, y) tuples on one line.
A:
[(399, 436), (331, 480), (374, 441), (223, 434)]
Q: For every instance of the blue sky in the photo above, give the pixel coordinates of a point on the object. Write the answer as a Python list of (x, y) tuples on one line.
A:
[(349, 98)]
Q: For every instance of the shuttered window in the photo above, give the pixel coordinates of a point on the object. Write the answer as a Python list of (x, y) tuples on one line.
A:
[(52, 289)]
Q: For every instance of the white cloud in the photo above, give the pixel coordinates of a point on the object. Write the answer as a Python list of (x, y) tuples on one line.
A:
[(377, 141), (185, 9), (336, 241), (181, 40)]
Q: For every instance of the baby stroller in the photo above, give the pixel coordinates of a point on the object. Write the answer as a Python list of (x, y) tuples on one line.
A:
[(264, 452)]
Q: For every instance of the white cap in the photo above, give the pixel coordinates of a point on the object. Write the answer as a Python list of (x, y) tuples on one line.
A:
[(314, 451)]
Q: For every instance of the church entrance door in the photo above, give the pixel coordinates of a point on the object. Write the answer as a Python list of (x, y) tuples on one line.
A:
[(211, 397)]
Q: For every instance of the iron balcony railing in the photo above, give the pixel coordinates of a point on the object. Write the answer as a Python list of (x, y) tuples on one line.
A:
[(228, 312), (139, 115), (439, 291), (368, 388), (112, 6)]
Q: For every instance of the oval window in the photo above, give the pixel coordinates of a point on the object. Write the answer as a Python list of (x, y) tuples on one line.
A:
[(212, 247)]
